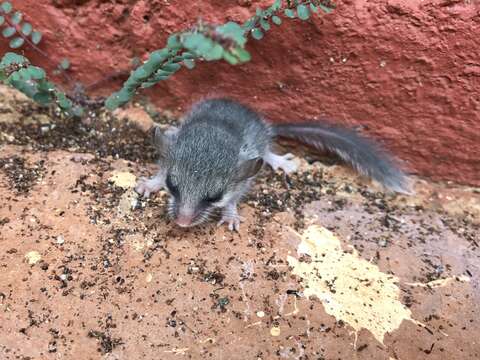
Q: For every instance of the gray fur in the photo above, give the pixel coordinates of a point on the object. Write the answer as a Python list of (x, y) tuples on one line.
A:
[(216, 151), (221, 145)]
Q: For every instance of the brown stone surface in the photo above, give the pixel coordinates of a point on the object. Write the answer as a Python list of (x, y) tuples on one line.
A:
[(88, 271), (407, 70)]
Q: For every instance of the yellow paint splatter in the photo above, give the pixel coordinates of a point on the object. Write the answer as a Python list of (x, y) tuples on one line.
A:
[(349, 287), (124, 179), (33, 257)]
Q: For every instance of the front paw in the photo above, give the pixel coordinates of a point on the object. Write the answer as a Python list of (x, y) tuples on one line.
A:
[(147, 186), (233, 221)]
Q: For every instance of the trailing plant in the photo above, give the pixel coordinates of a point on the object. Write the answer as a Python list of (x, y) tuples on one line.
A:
[(203, 42), (17, 71), (208, 42)]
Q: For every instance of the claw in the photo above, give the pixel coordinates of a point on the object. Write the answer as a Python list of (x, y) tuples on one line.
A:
[(230, 216), (147, 186), (233, 223)]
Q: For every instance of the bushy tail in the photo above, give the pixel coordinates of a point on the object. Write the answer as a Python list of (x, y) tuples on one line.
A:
[(363, 155)]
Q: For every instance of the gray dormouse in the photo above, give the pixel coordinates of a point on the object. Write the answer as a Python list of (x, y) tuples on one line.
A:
[(210, 160)]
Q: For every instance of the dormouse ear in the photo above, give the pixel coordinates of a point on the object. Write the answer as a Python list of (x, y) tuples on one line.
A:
[(248, 169), (161, 141)]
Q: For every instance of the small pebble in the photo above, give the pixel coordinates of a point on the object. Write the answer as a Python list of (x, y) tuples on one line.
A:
[(33, 257), (275, 331), (382, 243)]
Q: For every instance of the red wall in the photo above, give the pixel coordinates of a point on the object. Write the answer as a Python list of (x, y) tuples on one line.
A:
[(408, 70)]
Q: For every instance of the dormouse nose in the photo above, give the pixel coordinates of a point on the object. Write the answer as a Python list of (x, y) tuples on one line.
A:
[(185, 217), (184, 221)]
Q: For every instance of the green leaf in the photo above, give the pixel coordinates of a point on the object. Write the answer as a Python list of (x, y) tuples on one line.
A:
[(46, 86), (140, 74), (234, 31), (276, 20), (189, 63), (123, 96), (36, 72), (303, 12), (171, 67), (25, 87), (313, 8), (6, 7), (148, 84), (21, 75), (12, 58), (17, 42), (290, 13), (163, 73), (36, 37), (230, 58), (257, 34), (325, 8), (117, 99), (8, 31), (159, 76), (17, 17), (43, 98), (27, 29), (63, 101), (276, 5), (249, 24), (2, 20), (159, 55), (259, 12), (65, 64), (173, 42), (264, 24), (150, 66), (187, 55), (242, 54), (203, 46), (215, 53), (14, 77), (196, 41)]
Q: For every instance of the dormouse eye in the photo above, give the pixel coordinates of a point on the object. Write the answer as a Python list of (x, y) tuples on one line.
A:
[(213, 198), (172, 188)]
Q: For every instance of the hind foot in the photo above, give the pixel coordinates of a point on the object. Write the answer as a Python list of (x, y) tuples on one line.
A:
[(285, 162)]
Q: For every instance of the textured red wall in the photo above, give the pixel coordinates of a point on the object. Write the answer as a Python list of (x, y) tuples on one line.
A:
[(408, 70)]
